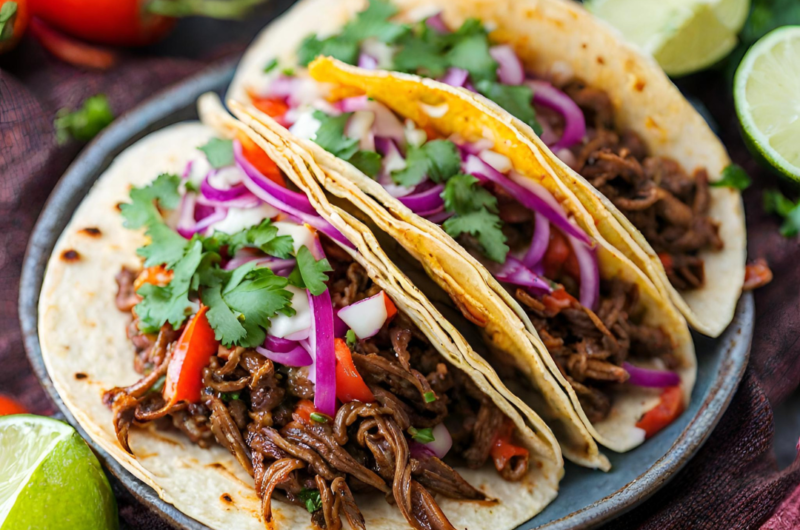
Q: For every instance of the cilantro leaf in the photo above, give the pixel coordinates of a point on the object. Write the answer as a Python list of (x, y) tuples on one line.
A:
[(462, 195), (472, 54), (775, 202), (166, 246), (7, 19), (485, 227), (219, 152), (733, 176), (142, 211), (270, 66), (415, 170), (84, 123), (227, 328), (368, 162), (420, 57), (258, 298), (439, 159), (330, 135), (344, 49), (374, 22), (421, 435), (517, 100), (311, 498), (263, 237), (310, 273)]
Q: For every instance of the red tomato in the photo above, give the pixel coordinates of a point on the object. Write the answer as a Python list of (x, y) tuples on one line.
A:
[(558, 252), (10, 406), (9, 37), (192, 353), (349, 384), (156, 275), (272, 107), (757, 275), (305, 409), (503, 449), (70, 50), (558, 300), (670, 407), (111, 22), (260, 160)]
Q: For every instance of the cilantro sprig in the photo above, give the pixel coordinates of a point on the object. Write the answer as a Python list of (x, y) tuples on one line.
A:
[(777, 203), (219, 152), (476, 214), (311, 498), (330, 136), (84, 123), (309, 272), (438, 159), (733, 176)]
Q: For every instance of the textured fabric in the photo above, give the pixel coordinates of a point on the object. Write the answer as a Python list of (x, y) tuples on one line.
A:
[(733, 481)]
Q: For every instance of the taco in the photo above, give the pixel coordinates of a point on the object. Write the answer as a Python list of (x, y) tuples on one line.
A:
[(247, 349), (429, 154), (636, 154)]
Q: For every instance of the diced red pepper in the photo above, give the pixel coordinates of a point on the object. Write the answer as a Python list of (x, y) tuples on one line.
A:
[(669, 407), (156, 275), (10, 406), (272, 107), (503, 449), (391, 309), (305, 408), (260, 160), (349, 384), (193, 352), (756, 275), (558, 300)]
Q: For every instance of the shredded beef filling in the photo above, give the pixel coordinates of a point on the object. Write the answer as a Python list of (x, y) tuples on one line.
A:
[(248, 407), (669, 206)]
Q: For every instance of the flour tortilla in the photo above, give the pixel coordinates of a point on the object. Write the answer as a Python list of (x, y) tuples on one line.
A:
[(86, 351)]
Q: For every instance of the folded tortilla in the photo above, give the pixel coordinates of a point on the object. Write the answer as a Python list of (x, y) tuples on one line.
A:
[(86, 351)]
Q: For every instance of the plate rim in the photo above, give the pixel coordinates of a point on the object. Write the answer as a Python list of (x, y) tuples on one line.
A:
[(76, 180)]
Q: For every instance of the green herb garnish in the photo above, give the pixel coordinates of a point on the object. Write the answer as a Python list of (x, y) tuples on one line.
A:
[(421, 435), (270, 66), (350, 338), (429, 397), (310, 273), (311, 498), (319, 417), (82, 124), (777, 203), (733, 176), (219, 152)]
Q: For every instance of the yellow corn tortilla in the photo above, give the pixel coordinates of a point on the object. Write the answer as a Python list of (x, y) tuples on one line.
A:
[(86, 352)]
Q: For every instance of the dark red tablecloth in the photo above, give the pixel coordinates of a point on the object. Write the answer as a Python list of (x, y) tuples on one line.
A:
[(733, 482)]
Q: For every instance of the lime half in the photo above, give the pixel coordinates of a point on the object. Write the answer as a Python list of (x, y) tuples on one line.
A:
[(767, 94), (50, 479), (684, 36)]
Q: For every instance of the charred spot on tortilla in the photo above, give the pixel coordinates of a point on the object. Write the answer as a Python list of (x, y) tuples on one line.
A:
[(91, 231), (226, 497), (600, 60), (70, 255), (118, 206), (80, 375), (639, 86)]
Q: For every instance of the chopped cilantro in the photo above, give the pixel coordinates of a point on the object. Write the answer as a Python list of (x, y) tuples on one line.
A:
[(83, 124), (343, 49), (270, 66), (288, 71), (368, 162), (775, 202), (420, 57), (423, 436), (7, 19), (486, 227), (350, 338), (462, 195), (517, 100), (219, 152), (430, 397), (330, 135), (263, 237), (311, 498), (439, 159), (733, 176), (166, 246), (319, 417), (142, 211), (310, 273), (231, 396), (374, 22), (472, 54)]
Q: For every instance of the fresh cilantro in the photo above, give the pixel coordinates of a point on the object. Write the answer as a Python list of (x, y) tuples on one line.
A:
[(310, 273), (439, 159), (82, 124), (343, 49), (368, 162), (422, 436), (472, 54), (7, 19), (142, 209), (374, 22), (231, 396), (486, 227), (263, 237), (775, 202), (462, 194), (733, 176), (219, 152), (420, 57), (517, 100), (166, 246), (270, 66), (430, 397), (350, 338), (288, 71), (330, 135), (311, 498), (319, 417), (158, 386)]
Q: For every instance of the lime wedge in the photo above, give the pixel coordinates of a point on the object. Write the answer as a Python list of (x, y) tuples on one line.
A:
[(767, 94), (684, 36), (50, 479)]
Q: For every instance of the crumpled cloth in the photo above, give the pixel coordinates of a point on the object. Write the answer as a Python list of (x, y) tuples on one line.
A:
[(733, 482)]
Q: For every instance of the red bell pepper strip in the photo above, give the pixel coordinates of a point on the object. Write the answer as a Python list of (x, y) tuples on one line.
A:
[(503, 449), (260, 160), (349, 384), (305, 408), (391, 309), (10, 406), (558, 300), (669, 407), (195, 347)]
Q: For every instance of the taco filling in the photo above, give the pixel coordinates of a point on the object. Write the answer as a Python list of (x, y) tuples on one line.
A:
[(255, 330), (669, 206)]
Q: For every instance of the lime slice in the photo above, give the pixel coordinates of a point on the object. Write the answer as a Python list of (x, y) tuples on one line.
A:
[(767, 94), (50, 479), (684, 36)]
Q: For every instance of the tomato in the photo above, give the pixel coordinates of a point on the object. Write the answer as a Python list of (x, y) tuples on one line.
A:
[(391, 309), (195, 347), (111, 22), (669, 407), (558, 300), (503, 449), (155, 275), (272, 107), (305, 409), (15, 26), (349, 384), (10, 406), (756, 275), (70, 50), (558, 252), (260, 160)]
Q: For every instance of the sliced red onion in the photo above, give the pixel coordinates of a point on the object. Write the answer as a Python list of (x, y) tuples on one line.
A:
[(539, 242), (473, 148), (549, 96), (299, 336), (590, 273), (339, 327), (436, 22), (455, 77), (419, 451), (548, 135), (651, 378), (425, 201), (367, 61), (527, 197), (366, 317), (392, 161), (440, 217), (279, 345), (321, 343), (216, 194), (296, 357), (187, 226), (442, 441), (186, 211), (187, 170), (386, 123), (509, 67), (245, 200), (513, 271)]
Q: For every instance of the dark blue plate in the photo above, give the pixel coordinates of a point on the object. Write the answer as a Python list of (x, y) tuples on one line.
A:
[(587, 498)]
